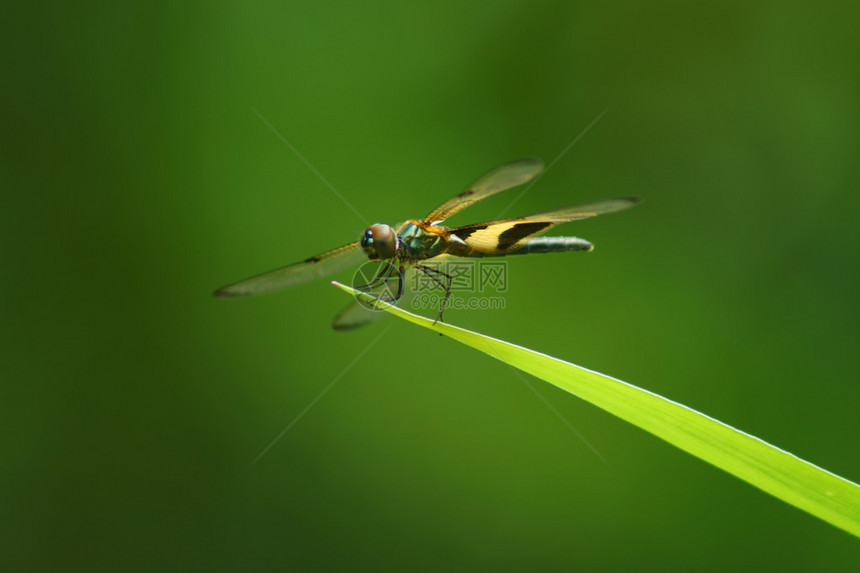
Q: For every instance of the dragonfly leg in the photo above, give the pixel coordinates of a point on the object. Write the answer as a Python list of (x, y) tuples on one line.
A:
[(383, 275), (401, 278), (435, 274), (401, 272)]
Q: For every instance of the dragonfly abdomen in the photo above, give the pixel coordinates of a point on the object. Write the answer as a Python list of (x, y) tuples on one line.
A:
[(553, 245)]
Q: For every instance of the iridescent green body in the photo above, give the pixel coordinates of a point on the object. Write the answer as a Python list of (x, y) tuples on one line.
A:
[(417, 243)]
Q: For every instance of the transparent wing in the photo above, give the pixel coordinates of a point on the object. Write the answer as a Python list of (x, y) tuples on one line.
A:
[(309, 269), (586, 211), (357, 315), (499, 237), (499, 179)]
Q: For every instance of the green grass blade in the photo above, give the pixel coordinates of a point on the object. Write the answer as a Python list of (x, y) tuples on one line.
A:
[(777, 472)]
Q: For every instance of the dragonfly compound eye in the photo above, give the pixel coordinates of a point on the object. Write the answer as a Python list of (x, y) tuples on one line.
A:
[(379, 241), (367, 240)]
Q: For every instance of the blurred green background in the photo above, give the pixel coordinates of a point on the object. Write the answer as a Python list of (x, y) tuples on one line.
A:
[(137, 178)]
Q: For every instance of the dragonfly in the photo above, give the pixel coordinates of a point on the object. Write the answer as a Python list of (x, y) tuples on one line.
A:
[(414, 245)]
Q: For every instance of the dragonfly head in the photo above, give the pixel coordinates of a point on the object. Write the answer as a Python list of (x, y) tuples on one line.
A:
[(379, 241)]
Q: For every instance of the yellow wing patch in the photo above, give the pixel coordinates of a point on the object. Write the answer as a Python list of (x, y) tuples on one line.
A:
[(502, 237)]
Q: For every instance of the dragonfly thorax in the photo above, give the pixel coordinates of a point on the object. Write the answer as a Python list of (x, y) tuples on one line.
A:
[(417, 243)]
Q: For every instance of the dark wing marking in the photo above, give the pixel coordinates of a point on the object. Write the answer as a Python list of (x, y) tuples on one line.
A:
[(466, 232), (312, 268), (500, 237), (520, 231), (499, 179)]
